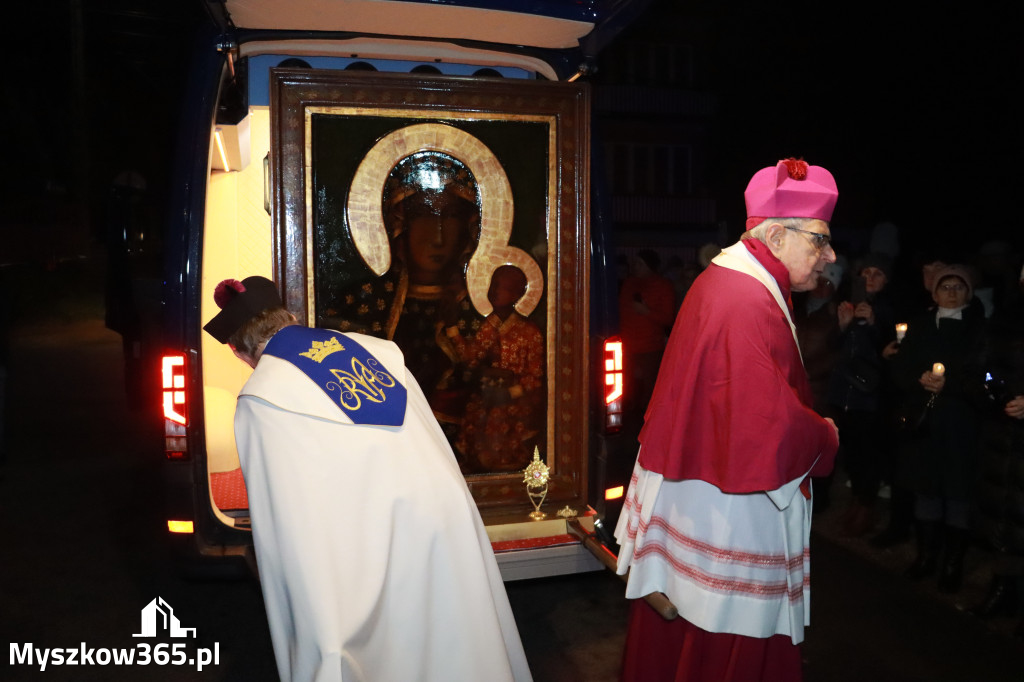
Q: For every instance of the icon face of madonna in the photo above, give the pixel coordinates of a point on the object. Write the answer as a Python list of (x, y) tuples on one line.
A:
[(439, 228)]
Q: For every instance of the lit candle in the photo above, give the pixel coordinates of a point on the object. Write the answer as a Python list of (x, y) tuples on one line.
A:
[(938, 369), (901, 331)]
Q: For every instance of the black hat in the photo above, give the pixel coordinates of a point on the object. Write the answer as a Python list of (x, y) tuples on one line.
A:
[(240, 302), (876, 259)]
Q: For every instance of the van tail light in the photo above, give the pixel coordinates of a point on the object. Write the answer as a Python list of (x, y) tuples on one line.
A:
[(613, 384), (180, 526), (175, 406)]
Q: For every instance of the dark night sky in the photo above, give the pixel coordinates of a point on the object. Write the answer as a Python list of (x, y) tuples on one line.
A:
[(915, 113), (95, 90)]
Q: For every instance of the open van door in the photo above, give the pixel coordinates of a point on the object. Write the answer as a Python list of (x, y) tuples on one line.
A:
[(316, 141)]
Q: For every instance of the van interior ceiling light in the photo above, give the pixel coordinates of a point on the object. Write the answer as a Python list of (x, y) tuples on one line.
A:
[(232, 146), (219, 137)]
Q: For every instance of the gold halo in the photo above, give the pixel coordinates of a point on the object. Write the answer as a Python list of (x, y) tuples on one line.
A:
[(366, 217), (481, 270)]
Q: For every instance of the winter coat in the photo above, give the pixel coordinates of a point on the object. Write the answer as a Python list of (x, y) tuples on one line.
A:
[(999, 517), (938, 458), (818, 334), (859, 373)]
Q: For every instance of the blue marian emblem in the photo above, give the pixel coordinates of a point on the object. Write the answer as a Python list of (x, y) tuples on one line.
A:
[(357, 382)]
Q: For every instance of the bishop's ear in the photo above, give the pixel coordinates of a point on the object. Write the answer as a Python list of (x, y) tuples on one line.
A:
[(774, 236)]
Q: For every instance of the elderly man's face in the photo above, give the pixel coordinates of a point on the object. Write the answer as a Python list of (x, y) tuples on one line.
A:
[(803, 258)]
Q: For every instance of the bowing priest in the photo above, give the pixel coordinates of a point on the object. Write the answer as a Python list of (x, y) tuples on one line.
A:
[(373, 560), (718, 513)]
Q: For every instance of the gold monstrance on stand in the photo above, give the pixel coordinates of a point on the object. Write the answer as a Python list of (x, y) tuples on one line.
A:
[(535, 476)]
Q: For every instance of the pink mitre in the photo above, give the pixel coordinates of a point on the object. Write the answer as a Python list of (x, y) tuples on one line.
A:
[(790, 189)]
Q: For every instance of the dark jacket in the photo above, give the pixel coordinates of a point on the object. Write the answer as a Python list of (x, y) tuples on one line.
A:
[(858, 375), (818, 334), (1000, 497), (940, 456)]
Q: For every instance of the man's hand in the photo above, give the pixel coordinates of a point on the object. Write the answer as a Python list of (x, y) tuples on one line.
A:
[(1015, 408), (891, 349), (932, 383), (864, 311), (845, 313)]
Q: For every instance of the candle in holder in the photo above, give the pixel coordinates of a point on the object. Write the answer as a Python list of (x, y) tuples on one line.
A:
[(901, 331), (938, 369)]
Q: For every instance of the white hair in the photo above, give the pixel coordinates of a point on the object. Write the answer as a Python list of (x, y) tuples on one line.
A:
[(759, 231)]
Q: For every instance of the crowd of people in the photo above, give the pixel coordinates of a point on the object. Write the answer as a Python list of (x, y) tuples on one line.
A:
[(920, 361), (945, 445)]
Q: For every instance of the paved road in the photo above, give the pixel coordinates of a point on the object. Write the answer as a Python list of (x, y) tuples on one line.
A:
[(79, 515)]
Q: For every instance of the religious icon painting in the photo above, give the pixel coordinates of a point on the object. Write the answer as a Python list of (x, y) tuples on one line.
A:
[(449, 221)]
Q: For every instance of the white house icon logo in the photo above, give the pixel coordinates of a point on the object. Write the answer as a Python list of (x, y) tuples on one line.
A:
[(158, 616)]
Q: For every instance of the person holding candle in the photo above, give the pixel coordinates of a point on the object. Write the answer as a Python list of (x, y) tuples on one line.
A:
[(866, 323), (718, 513), (933, 366), (911, 301)]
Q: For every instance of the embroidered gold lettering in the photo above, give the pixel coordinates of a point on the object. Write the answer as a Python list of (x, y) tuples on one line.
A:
[(361, 383)]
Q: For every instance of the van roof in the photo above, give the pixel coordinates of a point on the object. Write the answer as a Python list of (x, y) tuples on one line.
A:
[(546, 24)]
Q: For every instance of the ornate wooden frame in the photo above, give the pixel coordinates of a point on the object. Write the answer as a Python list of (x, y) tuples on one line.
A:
[(297, 95)]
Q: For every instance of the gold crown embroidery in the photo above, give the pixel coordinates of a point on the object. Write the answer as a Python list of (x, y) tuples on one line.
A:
[(321, 349)]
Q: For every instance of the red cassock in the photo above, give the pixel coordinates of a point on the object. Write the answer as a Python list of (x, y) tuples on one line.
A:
[(713, 517), (732, 405)]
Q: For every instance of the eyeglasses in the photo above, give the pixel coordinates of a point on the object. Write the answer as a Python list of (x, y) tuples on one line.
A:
[(819, 240), (953, 287)]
